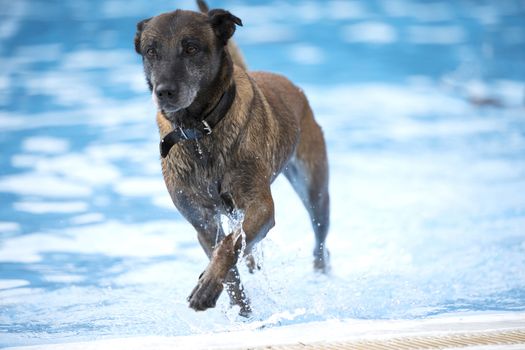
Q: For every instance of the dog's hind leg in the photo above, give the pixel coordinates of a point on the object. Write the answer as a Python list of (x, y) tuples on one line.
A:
[(235, 290), (307, 171)]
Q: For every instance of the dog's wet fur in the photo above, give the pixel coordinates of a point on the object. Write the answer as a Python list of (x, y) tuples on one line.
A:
[(189, 63)]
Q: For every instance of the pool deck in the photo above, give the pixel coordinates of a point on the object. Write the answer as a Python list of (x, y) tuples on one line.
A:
[(479, 331)]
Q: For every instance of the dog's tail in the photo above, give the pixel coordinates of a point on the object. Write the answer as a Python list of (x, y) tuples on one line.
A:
[(203, 6), (235, 53)]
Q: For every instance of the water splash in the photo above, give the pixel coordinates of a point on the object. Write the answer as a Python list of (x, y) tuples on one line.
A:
[(232, 224), (236, 221)]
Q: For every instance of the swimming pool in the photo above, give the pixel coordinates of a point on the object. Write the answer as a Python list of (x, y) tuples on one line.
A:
[(422, 106)]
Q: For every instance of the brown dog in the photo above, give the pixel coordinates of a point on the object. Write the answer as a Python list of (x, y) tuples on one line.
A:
[(226, 135)]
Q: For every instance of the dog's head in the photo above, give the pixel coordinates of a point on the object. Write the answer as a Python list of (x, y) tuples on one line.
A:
[(182, 53)]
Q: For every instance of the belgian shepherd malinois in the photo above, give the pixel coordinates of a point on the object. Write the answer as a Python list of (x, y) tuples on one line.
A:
[(226, 134)]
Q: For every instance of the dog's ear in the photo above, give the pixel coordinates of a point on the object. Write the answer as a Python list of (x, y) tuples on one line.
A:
[(223, 24), (140, 28)]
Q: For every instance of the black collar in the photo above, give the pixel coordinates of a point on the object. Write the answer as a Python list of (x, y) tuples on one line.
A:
[(205, 127)]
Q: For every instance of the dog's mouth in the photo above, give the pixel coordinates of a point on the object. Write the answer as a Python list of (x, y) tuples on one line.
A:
[(171, 106), (168, 108)]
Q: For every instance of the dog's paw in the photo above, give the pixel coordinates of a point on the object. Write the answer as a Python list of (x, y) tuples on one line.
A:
[(322, 261), (245, 311), (206, 293), (252, 264)]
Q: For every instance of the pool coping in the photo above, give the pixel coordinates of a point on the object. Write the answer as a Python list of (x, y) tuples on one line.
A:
[(474, 331)]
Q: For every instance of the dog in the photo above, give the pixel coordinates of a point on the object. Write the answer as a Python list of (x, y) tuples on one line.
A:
[(226, 134)]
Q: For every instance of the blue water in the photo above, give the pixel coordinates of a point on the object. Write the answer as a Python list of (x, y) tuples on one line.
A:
[(428, 211)]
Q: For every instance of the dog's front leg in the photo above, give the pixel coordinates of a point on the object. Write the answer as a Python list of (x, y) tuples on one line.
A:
[(210, 284), (258, 219)]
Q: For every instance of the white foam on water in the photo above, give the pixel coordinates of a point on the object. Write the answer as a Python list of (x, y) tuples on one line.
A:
[(111, 238), (11, 283), (89, 59), (163, 201), (63, 278), (141, 186), (65, 175), (127, 75), (369, 32), (6, 226), (45, 185), (67, 89), (50, 207), (45, 144), (88, 218), (306, 54), (391, 103)]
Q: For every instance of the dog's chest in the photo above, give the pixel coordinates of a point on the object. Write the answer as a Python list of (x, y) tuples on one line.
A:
[(193, 178)]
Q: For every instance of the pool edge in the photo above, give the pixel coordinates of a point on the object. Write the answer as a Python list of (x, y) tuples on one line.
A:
[(474, 331)]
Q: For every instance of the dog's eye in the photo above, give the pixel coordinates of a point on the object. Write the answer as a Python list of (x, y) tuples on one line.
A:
[(191, 49), (151, 52)]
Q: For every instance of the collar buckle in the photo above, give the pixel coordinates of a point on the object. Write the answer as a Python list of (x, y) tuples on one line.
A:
[(183, 133), (207, 127)]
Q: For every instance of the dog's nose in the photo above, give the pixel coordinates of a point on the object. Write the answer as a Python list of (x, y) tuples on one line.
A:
[(164, 92)]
